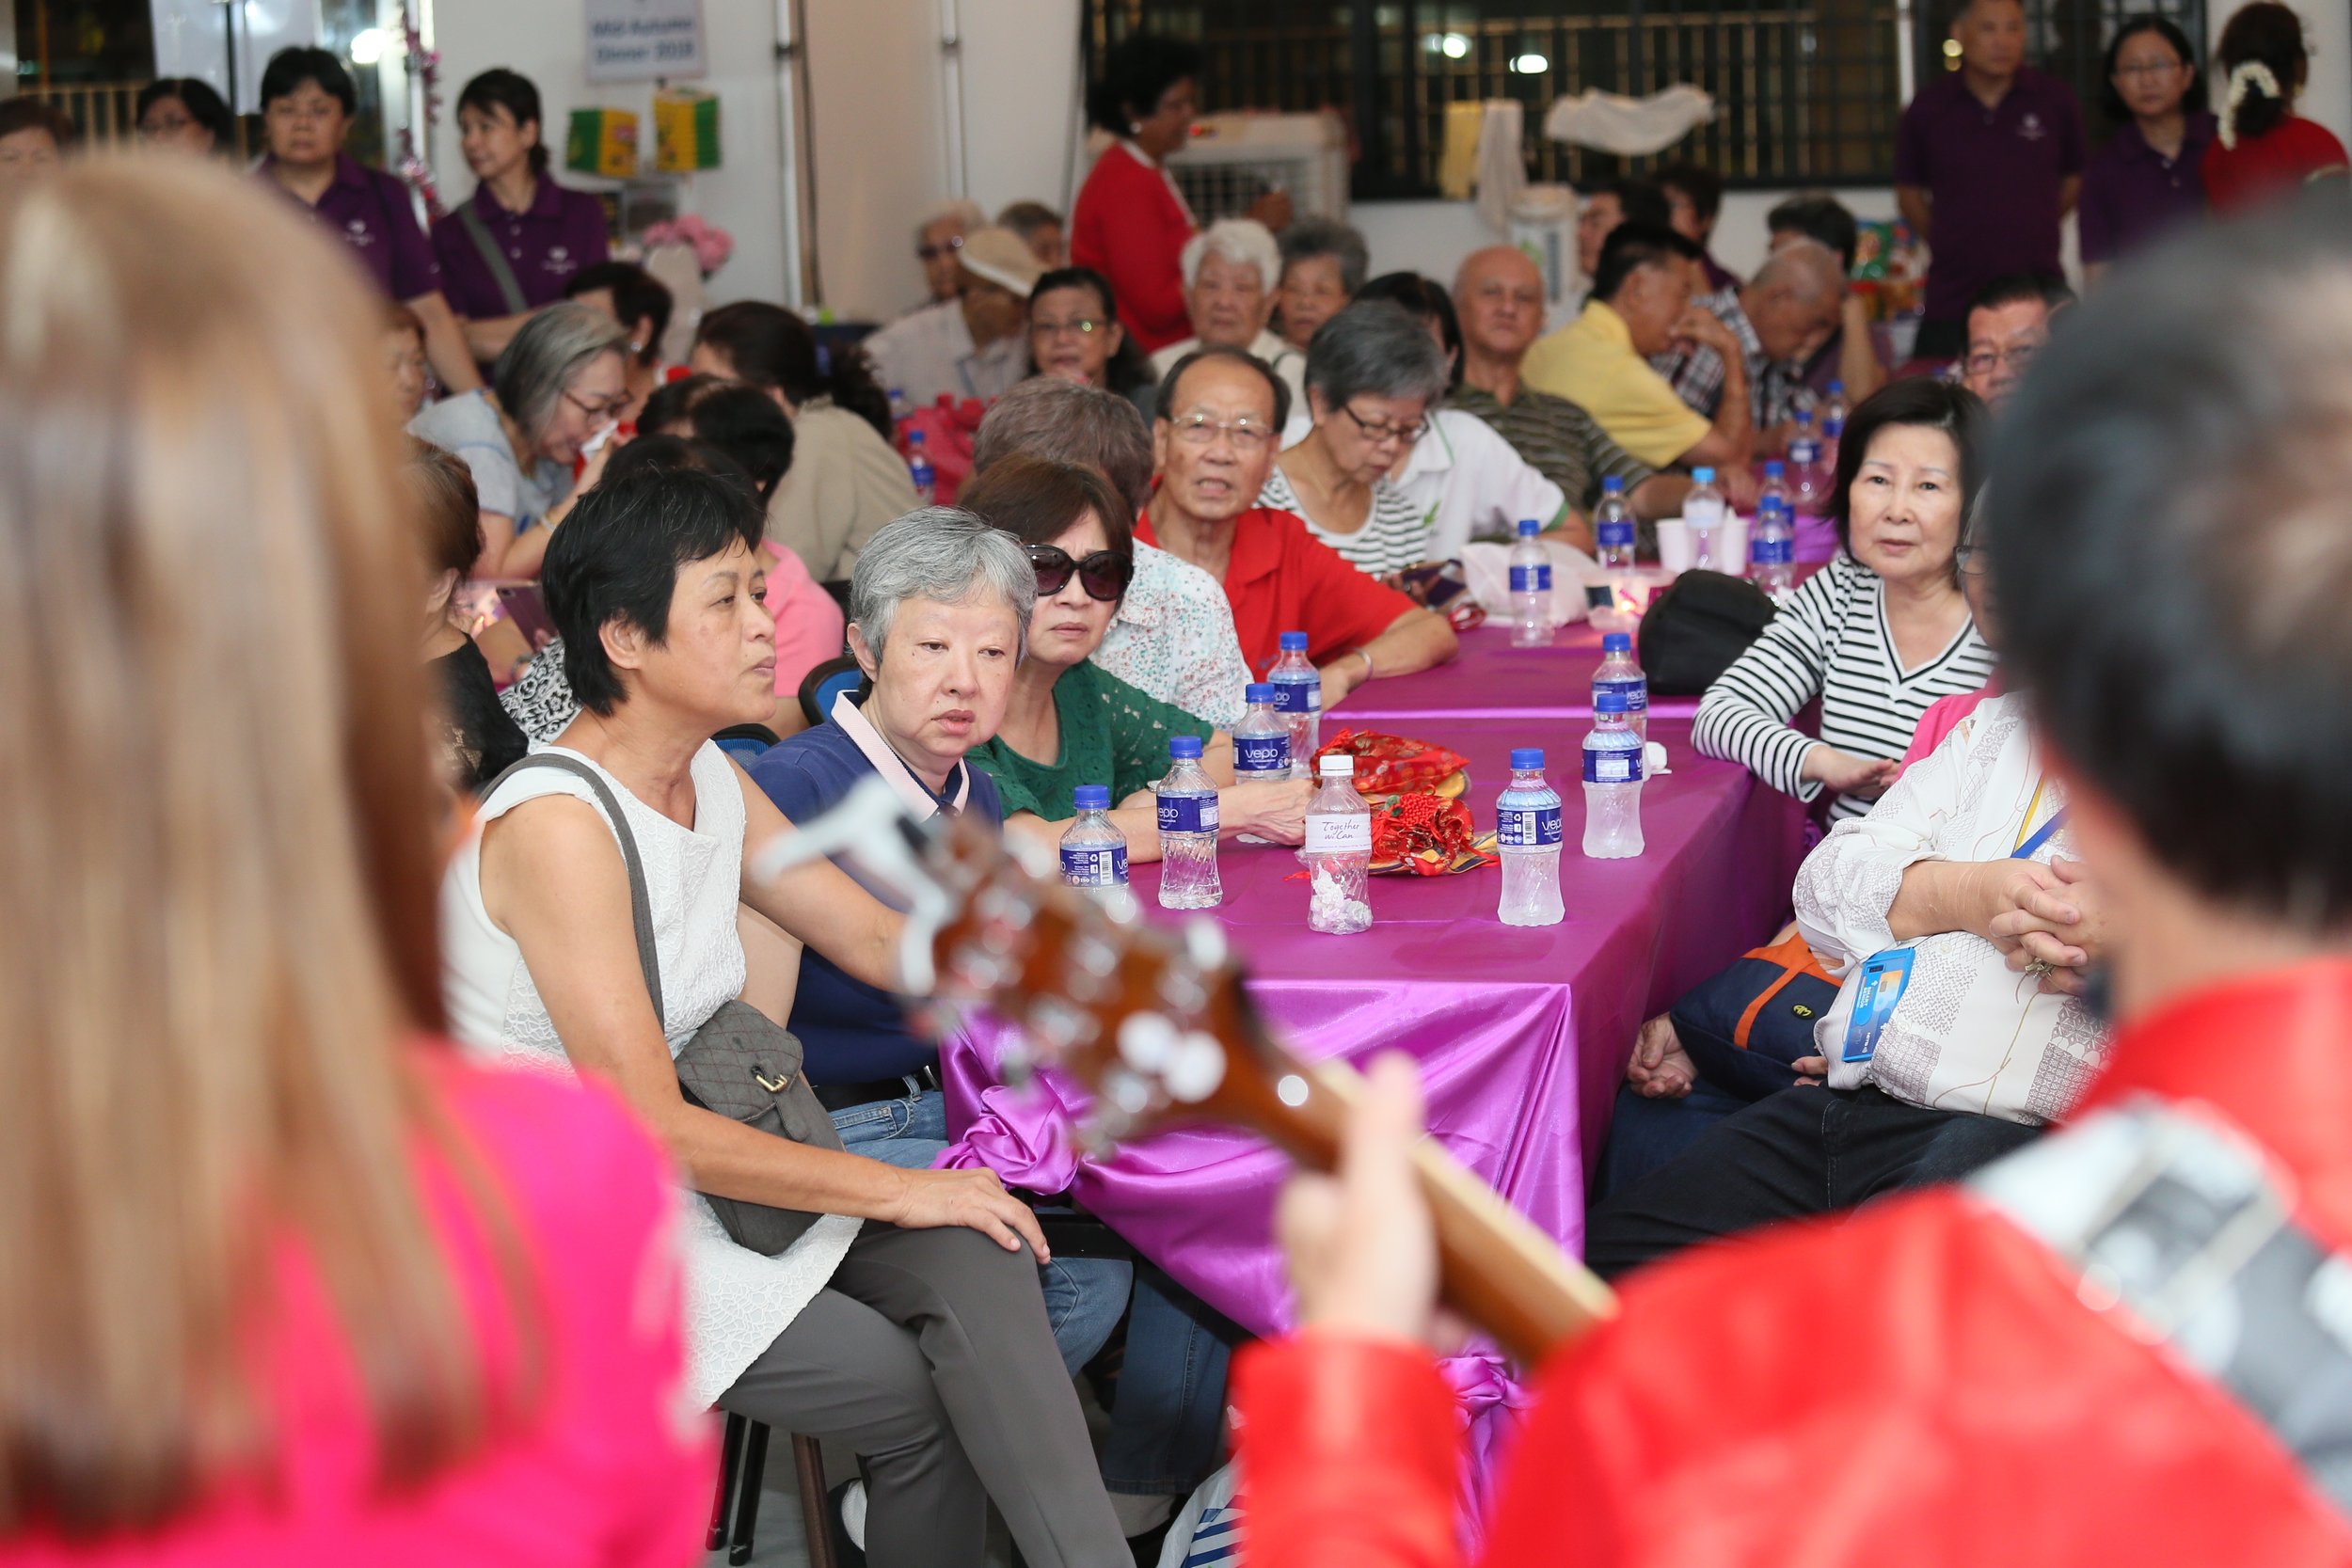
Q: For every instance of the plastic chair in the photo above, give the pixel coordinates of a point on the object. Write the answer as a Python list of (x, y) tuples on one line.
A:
[(820, 686), (743, 1461), (744, 742)]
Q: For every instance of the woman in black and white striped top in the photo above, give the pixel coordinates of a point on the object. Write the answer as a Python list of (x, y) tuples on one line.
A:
[(1880, 632), (1373, 374)]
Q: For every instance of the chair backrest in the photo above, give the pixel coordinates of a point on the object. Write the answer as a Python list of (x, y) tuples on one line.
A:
[(744, 742), (820, 686)]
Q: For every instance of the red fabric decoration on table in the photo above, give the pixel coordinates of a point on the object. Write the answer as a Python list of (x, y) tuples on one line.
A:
[(1427, 836), (947, 427), (1390, 764)]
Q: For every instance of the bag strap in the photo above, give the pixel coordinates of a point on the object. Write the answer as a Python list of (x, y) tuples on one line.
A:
[(501, 273), (640, 900)]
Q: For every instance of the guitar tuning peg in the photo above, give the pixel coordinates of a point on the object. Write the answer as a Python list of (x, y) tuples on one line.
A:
[(1015, 1065), (1096, 1140), (1205, 943)]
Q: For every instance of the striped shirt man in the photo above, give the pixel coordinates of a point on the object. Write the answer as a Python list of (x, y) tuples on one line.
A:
[(1830, 640), (1558, 440)]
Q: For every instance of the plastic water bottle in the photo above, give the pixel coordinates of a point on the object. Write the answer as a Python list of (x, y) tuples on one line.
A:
[(1262, 743), (1338, 853), (1620, 671), (1772, 548), (1703, 510), (1612, 526), (1299, 698), (1188, 823), (1527, 833), (1094, 853), (919, 468), (897, 405), (1612, 784), (1776, 486), (1832, 424), (1531, 589), (1808, 486)]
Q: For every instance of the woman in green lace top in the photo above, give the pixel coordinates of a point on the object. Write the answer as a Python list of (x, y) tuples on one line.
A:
[(1087, 724)]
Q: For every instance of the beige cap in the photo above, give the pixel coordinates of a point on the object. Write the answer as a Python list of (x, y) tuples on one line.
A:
[(1001, 256)]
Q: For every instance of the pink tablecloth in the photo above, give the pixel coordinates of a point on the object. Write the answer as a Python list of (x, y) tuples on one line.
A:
[(1491, 679), (1521, 1034)]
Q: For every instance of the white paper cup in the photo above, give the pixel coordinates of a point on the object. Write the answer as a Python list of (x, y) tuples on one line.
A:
[(1674, 548), (1731, 545)]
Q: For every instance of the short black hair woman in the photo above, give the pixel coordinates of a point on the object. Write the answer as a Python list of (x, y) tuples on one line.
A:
[(2145, 179), (512, 246), (185, 114), (1883, 630), (906, 1322), (1070, 723)]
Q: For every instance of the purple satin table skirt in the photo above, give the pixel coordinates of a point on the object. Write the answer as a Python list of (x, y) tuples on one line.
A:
[(1491, 679), (1521, 1034)]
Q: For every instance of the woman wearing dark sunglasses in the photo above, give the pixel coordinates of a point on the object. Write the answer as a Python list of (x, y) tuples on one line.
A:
[(1068, 722)]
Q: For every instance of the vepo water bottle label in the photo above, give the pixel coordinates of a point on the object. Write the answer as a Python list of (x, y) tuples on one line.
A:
[(1261, 754), (1773, 552), (1634, 689), (1528, 827), (1187, 814), (1298, 696), (1339, 834), (1611, 766), (1095, 868), (1801, 452), (1531, 579), (1617, 536)]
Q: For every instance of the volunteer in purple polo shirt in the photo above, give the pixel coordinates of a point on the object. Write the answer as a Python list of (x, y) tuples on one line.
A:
[(523, 237), (2146, 179), (306, 104), (1988, 162)]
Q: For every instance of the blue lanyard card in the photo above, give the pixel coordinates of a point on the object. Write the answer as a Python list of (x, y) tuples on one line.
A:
[(1885, 977)]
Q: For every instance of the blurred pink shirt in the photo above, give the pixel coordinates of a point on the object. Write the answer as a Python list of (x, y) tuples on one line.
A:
[(609, 1469), (809, 623), (1944, 715)]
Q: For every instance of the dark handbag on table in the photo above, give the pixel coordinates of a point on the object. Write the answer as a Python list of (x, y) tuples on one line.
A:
[(740, 1064), (1694, 630)]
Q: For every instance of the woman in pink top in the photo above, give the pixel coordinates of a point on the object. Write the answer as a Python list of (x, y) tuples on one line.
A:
[(280, 1280)]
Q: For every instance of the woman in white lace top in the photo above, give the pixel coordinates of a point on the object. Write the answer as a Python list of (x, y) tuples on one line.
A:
[(907, 1321)]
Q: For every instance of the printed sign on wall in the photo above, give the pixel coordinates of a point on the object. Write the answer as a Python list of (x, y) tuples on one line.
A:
[(638, 40)]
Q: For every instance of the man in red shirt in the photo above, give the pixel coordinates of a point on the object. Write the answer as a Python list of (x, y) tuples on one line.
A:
[(1219, 426), (2129, 1342)]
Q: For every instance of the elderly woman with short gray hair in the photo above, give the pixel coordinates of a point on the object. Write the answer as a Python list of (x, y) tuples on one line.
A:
[(560, 384), (1373, 374), (905, 1322)]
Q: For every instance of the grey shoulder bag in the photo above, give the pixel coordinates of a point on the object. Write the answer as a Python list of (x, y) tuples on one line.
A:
[(493, 257), (740, 1064)]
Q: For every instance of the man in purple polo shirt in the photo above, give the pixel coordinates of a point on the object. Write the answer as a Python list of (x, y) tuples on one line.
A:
[(1987, 164), (522, 238), (306, 104)]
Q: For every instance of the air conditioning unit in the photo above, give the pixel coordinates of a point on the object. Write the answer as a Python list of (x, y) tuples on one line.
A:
[(1233, 159)]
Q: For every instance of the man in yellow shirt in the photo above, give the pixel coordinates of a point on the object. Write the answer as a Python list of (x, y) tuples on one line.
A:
[(1641, 305)]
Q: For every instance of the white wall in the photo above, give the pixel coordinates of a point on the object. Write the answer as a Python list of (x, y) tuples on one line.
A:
[(545, 40)]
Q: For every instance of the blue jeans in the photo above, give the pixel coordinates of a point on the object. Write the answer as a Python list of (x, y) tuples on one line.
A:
[(1168, 1422), (1084, 1298)]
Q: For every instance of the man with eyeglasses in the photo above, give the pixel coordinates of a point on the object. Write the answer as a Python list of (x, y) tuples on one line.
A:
[(2008, 322), (975, 345), (1221, 413), (938, 237), (1231, 270), (308, 102)]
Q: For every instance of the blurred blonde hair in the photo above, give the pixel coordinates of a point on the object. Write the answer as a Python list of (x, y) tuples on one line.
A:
[(216, 838)]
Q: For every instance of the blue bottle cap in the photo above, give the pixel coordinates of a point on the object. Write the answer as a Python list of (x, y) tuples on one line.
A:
[(1527, 759), (1703, 476), (1804, 419), (1529, 527), (1612, 485), (1294, 641), (1257, 692), (1181, 746), (914, 438), (1093, 796), (1837, 388), (1609, 702), (1776, 469), (1617, 642)]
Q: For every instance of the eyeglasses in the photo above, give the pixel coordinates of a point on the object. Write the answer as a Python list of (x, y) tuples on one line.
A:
[(1379, 430), (2150, 68), (1082, 326), (1103, 575), (933, 252), (1968, 559), (2017, 357), (1199, 430), (603, 410)]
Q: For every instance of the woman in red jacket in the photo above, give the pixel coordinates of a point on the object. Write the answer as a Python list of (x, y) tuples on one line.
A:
[(2264, 149), (1129, 222)]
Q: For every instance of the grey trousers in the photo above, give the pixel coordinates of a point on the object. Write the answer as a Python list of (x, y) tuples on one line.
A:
[(930, 1355)]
